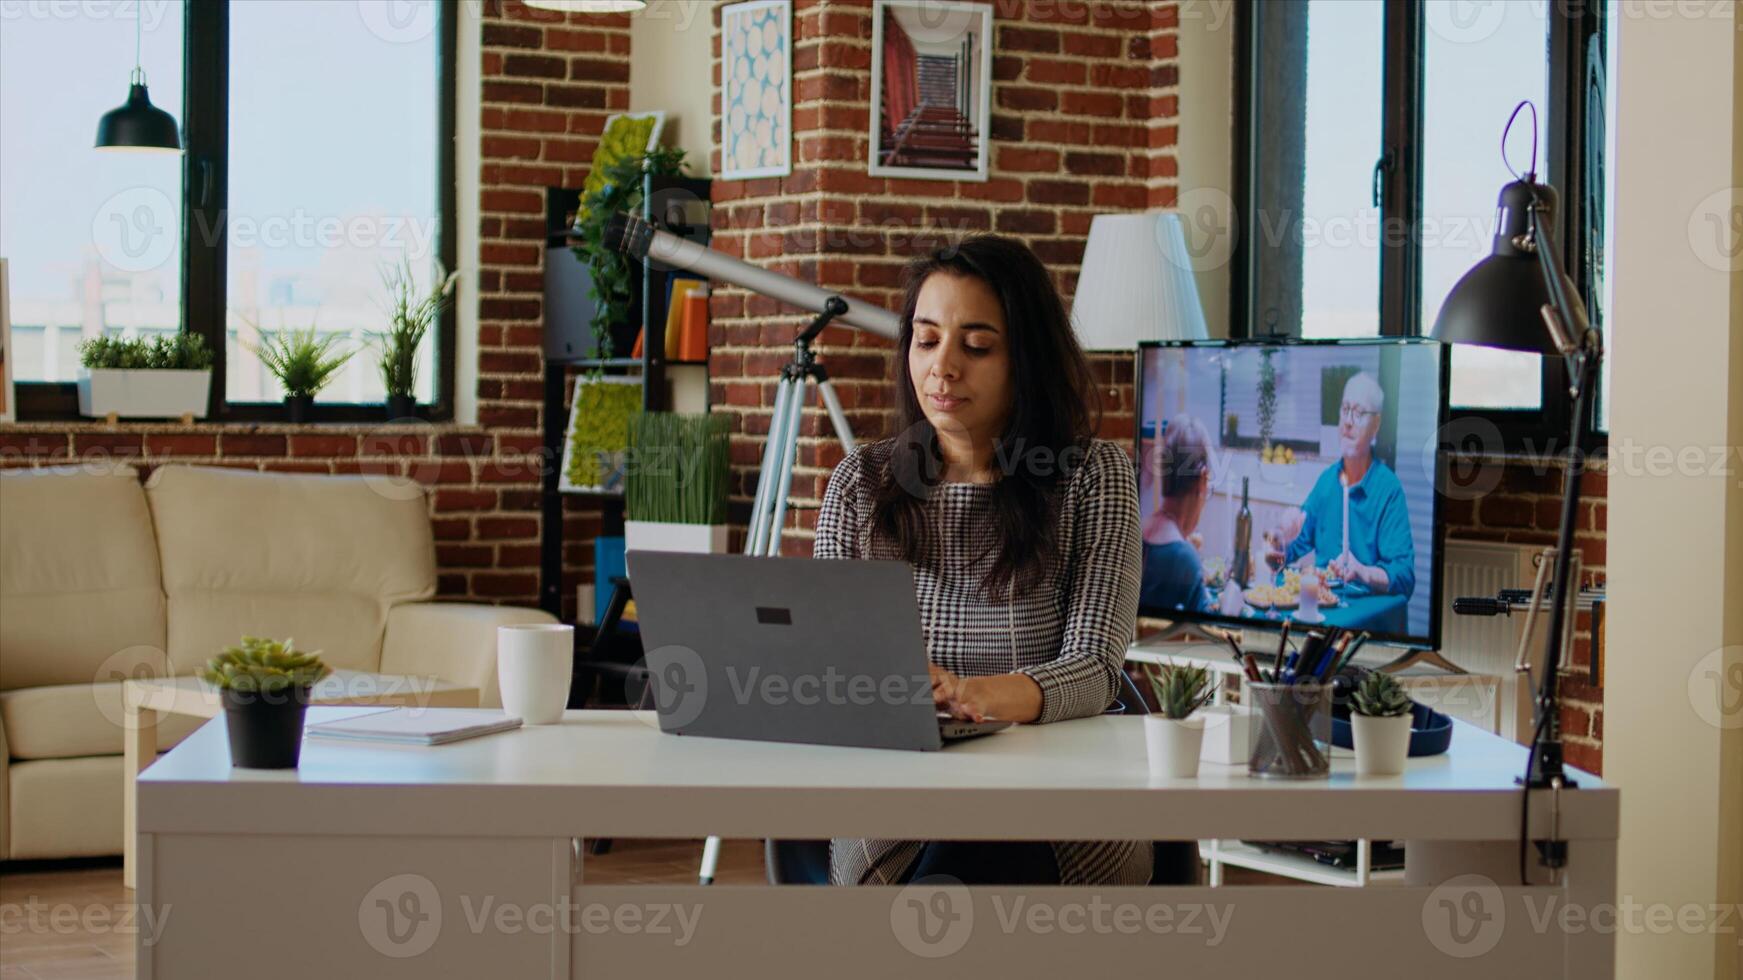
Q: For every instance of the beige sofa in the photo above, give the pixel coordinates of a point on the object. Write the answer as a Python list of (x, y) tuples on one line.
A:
[(102, 579)]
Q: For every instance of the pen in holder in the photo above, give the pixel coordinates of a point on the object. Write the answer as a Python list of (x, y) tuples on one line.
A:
[(1294, 731)]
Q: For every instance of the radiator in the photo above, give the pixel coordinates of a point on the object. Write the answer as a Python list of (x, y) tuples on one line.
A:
[(1488, 644)]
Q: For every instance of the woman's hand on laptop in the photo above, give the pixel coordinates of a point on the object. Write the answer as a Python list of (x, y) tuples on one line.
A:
[(1001, 697)]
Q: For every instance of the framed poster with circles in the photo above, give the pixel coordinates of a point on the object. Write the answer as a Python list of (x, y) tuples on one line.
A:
[(756, 99), (931, 95)]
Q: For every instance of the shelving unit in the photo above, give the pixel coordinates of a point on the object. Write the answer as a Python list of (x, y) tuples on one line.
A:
[(679, 205)]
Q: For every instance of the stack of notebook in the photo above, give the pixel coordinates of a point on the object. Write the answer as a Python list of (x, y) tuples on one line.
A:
[(417, 726)]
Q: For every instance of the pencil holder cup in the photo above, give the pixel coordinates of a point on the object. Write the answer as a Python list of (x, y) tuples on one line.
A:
[(1294, 732)]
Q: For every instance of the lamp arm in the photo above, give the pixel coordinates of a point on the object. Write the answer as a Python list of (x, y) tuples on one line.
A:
[(1572, 327)]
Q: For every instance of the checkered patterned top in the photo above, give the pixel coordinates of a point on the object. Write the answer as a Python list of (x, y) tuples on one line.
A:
[(1069, 632)]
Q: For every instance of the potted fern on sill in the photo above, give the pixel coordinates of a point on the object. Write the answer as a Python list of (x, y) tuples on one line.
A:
[(165, 377), (410, 315), (1174, 733), (304, 362), (674, 490), (265, 686), (1380, 714)]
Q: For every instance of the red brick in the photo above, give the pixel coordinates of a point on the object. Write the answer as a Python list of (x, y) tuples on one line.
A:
[(1500, 511), (598, 70), (1103, 104), (507, 528), (504, 585), (164, 444), (524, 93), (323, 445), (1027, 39), (1028, 99), (1045, 71), (465, 444), (505, 417), (576, 96), (1027, 222), (510, 35), (449, 500), (1026, 159), (464, 556), (518, 556), (116, 443), (451, 528), (1100, 164), (1091, 45), (251, 444), (1058, 192), (560, 39), (535, 66)]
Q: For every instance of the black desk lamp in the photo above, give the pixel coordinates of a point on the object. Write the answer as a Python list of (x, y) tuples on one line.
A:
[(1519, 298)]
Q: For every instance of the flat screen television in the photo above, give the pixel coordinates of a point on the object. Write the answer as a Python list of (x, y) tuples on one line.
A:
[(1256, 457)]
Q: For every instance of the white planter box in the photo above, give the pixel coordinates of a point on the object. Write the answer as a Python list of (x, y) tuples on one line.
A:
[(143, 393), (662, 536)]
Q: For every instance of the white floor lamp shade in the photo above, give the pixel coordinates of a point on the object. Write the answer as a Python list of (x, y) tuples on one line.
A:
[(1136, 284)]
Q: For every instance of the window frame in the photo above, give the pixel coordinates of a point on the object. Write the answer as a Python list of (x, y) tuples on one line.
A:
[(205, 195), (1571, 25)]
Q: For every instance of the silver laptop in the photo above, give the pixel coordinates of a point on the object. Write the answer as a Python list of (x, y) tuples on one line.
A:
[(789, 650)]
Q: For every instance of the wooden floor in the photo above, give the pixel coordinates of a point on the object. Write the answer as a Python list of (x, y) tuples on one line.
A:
[(60, 923)]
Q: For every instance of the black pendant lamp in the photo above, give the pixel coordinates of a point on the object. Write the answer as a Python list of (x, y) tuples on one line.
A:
[(137, 124)]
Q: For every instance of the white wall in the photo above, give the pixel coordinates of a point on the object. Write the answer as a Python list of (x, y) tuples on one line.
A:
[(670, 69), (1675, 552)]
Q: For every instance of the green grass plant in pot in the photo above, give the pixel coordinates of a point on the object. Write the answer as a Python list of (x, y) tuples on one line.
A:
[(675, 486), (411, 312), (265, 686), (1174, 733), (304, 362)]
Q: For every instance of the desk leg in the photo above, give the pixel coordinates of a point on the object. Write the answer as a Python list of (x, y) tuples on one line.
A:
[(138, 750)]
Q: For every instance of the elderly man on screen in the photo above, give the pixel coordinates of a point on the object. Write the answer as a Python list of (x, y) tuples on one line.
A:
[(1380, 556)]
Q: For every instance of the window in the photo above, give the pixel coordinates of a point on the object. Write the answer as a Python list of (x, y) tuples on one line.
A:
[(318, 152), (93, 238), (1370, 143)]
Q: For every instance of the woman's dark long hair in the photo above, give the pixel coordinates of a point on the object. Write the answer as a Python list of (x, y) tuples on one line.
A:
[(1050, 425)]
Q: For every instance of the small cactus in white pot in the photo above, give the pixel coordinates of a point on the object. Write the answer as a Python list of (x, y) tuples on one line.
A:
[(1380, 722), (1174, 734)]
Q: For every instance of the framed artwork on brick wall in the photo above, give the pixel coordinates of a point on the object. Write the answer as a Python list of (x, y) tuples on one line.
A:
[(756, 99), (931, 95)]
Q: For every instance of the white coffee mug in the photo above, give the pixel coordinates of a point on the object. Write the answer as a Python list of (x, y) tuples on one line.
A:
[(533, 664)]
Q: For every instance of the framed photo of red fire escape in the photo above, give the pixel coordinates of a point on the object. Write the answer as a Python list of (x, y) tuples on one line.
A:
[(931, 97)]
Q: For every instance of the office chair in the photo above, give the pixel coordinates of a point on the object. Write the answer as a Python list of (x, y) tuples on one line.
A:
[(806, 862)]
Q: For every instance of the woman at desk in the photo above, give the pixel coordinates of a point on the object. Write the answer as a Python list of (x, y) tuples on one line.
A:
[(1021, 529)]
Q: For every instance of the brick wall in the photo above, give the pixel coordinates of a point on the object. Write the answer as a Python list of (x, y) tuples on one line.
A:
[(549, 80), (1081, 123)]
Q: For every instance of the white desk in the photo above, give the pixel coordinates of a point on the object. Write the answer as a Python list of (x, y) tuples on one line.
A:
[(370, 854)]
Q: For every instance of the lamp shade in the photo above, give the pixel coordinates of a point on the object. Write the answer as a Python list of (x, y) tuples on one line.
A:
[(588, 6), (137, 125), (1499, 302), (1136, 284)]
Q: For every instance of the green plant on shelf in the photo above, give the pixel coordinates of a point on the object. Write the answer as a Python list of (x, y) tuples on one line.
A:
[(264, 666), (609, 267), (179, 351), (303, 361), (678, 469), (599, 431)]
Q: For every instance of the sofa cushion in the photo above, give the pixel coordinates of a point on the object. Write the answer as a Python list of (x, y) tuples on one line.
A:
[(74, 720), (317, 559), (80, 595), (64, 808)]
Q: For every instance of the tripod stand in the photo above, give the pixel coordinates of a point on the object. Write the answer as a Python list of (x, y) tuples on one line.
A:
[(775, 478)]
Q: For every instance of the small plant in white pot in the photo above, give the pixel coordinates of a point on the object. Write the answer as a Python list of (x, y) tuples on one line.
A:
[(1174, 734), (674, 488), (1380, 723), (165, 377)]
